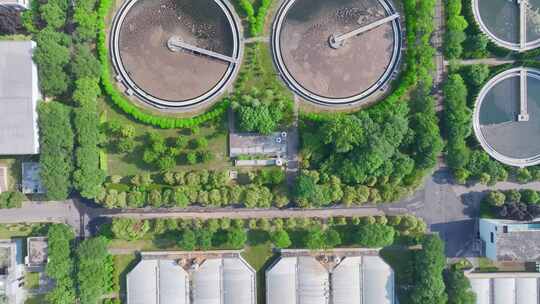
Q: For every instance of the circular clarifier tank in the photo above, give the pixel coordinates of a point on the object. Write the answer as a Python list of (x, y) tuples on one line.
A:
[(176, 53), (511, 24), (507, 117), (336, 52)]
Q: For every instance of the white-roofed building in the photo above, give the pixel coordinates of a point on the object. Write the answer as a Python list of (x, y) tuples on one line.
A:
[(227, 280), (355, 280), (505, 288), (19, 95), (157, 282)]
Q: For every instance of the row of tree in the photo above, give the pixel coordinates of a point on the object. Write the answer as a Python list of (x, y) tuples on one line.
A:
[(455, 30), (208, 188), (467, 164), (366, 231), (83, 272)]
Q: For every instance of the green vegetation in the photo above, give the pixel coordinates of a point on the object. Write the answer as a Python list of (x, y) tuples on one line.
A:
[(374, 147), (11, 199), (513, 204), (94, 270), (429, 265), (458, 287), (31, 280), (56, 147), (256, 18), (289, 232), (455, 27), (261, 103), (83, 272), (207, 188), (60, 266), (88, 177)]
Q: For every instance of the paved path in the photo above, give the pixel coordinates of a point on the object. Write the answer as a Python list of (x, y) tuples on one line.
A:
[(437, 41), (487, 61), (264, 39)]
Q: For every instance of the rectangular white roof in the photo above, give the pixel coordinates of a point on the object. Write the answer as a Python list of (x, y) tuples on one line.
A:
[(19, 94), (281, 282), (505, 288), (356, 280), (157, 282), (238, 282)]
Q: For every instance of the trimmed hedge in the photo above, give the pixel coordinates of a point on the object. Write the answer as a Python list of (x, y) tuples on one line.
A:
[(126, 105)]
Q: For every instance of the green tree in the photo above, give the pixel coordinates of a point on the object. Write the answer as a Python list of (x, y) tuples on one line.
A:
[(429, 266), (236, 237), (188, 240), (458, 287), (374, 235), (280, 238), (56, 147), (496, 198), (60, 264), (331, 238), (94, 270), (129, 229)]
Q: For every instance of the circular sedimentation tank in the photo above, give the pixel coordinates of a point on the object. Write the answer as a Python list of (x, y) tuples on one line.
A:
[(512, 24), (336, 52), (176, 54), (507, 117)]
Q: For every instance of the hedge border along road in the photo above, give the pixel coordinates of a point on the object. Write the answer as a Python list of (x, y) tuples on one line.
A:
[(126, 105)]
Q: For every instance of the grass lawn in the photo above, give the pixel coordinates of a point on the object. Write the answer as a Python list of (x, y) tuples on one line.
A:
[(31, 280), (486, 265), (17, 230), (130, 164), (259, 67), (258, 253), (123, 264), (39, 299)]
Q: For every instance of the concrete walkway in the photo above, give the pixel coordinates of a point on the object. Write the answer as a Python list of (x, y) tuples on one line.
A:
[(487, 61), (263, 39)]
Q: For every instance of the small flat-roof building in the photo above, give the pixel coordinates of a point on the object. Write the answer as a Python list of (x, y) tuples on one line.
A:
[(225, 280), (31, 179), (364, 279), (274, 144), (507, 240), (505, 288), (19, 95), (37, 250)]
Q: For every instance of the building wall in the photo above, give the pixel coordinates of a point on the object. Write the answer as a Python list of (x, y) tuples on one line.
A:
[(487, 228)]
